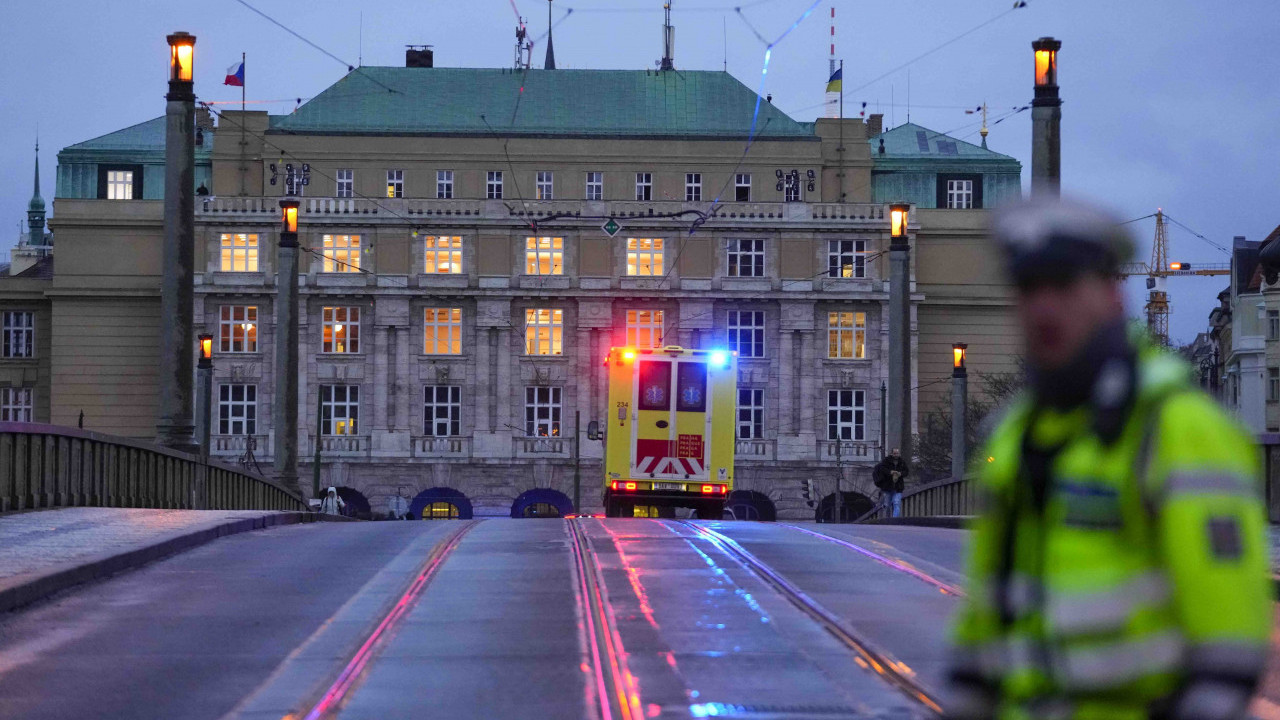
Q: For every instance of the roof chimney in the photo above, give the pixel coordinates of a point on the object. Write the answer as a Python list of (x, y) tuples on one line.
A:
[(875, 124), (419, 56)]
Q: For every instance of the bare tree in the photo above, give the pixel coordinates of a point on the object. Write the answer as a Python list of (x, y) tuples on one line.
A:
[(933, 443)]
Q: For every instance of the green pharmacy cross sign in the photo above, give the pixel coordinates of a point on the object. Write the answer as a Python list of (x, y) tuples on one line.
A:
[(611, 227)]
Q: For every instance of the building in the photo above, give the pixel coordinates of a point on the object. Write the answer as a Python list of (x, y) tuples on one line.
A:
[(460, 293), (25, 318)]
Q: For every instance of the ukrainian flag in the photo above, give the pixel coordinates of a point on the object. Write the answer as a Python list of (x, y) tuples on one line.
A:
[(833, 85)]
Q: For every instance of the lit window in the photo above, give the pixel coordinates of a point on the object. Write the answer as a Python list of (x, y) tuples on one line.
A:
[(542, 411), (493, 185), (443, 254), (742, 187), (746, 332), (238, 329), (750, 413), (746, 258), (645, 328), (442, 330), (543, 331), (444, 184), (595, 186), (846, 335), (341, 328), (644, 256), (544, 256), (847, 258), (16, 404), (119, 184), (395, 183), (346, 183), (237, 409), (644, 186), (959, 194), (17, 334), (846, 414), (239, 253), (693, 187), (339, 409), (543, 185), (341, 253), (442, 410)]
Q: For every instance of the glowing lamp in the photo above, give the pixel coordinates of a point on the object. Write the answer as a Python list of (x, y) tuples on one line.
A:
[(628, 355), (289, 216), (899, 217), (719, 358), (958, 353), (1046, 50), (629, 486), (206, 349), (181, 54)]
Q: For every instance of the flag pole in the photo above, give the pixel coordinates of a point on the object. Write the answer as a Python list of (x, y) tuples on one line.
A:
[(242, 69)]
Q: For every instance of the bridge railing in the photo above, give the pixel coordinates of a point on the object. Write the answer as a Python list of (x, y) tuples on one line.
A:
[(52, 466), (952, 496)]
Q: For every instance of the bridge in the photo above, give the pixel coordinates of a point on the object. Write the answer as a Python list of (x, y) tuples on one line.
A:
[(575, 617)]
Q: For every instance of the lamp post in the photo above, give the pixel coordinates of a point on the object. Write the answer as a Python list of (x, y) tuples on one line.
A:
[(284, 411), (177, 279), (1046, 121), (204, 396), (959, 404), (899, 401)]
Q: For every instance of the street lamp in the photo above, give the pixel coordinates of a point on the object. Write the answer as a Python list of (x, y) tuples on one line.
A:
[(899, 217), (1046, 51), (899, 430), (1046, 120), (289, 221), (284, 412), (958, 353), (959, 407), (204, 399), (182, 47)]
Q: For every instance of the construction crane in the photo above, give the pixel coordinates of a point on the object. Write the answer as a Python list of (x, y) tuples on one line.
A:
[(1157, 274)]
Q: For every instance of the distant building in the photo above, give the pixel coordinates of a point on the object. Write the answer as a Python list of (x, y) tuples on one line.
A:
[(25, 319), (459, 294)]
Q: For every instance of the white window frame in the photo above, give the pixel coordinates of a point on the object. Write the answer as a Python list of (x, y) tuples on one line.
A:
[(645, 328), (960, 194), (444, 184), (395, 183), (346, 183), (846, 335), (339, 410), (493, 185), (544, 185), (239, 252), (543, 410), (750, 414), (744, 253), (340, 330), (16, 404), (543, 331), (120, 184), (442, 331), (1273, 324), (17, 334), (1273, 385), (237, 415), (646, 257), (442, 254), (852, 250), (544, 255), (644, 186), (746, 332), (595, 185), (238, 329), (792, 191), (846, 411), (442, 405), (742, 181), (693, 187), (341, 253)]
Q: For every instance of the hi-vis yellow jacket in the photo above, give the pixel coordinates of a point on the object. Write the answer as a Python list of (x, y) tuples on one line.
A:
[(1140, 586)]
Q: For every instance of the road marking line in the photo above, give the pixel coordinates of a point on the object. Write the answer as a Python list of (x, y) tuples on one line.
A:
[(889, 562)]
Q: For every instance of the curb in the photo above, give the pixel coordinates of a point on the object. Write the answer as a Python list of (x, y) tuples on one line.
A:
[(37, 586), (956, 522)]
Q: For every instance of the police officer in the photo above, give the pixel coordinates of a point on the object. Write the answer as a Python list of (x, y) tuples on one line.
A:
[(1120, 567)]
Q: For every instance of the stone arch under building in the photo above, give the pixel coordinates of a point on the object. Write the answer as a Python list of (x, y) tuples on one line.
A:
[(542, 502), (356, 504), (440, 503), (750, 505), (855, 506)]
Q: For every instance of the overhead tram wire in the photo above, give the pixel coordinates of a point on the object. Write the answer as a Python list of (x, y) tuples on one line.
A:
[(1220, 248)]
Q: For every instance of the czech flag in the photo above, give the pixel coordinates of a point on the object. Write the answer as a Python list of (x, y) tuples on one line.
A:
[(235, 75), (837, 77)]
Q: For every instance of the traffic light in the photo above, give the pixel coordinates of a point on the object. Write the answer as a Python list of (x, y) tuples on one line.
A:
[(810, 494)]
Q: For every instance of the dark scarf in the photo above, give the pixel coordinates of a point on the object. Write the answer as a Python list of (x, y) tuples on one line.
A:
[(1102, 375)]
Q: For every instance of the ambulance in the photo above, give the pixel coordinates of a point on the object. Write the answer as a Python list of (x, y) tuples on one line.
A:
[(669, 433)]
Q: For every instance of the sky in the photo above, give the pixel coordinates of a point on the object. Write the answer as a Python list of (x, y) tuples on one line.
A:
[(1167, 103)]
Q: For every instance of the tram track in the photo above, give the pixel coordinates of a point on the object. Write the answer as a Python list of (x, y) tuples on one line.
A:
[(866, 654), (333, 696), (900, 566)]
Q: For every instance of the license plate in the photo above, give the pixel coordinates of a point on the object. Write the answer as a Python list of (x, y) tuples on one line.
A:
[(668, 486)]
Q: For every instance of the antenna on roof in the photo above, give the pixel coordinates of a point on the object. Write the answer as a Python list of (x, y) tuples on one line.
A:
[(668, 41), (524, 46), (360, 55)]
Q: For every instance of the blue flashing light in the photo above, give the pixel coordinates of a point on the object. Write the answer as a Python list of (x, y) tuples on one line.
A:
[(719, 358)]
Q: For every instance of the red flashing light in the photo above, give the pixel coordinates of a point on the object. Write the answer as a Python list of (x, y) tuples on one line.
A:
[(629, 486), (628, 355), (708, 488), (716, 489)]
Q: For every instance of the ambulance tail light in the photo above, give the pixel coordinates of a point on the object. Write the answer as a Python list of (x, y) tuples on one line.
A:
[(714, 489), (623, 485)]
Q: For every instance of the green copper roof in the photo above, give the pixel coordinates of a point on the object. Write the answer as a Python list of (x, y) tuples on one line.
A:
[(147, 135), (606, 103), (910, 141)]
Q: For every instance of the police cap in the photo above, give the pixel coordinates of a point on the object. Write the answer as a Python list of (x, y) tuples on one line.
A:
[(1050, 241)]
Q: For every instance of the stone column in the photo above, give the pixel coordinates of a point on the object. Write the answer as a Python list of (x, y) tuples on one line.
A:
[(959, 402), (899, 400), (388, 438), (284, 409), (174, 426), (595, 321), (493, 378)]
